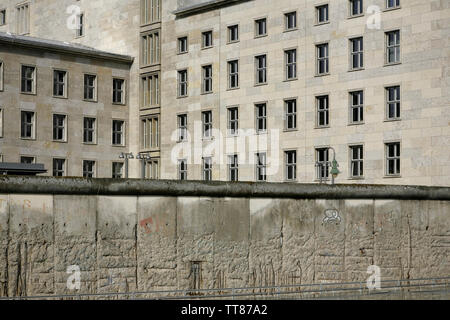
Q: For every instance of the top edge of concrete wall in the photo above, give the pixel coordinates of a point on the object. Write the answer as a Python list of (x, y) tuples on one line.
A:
[(135, 187)]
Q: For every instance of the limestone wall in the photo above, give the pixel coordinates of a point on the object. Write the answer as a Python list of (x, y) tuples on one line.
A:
[(142, 242)]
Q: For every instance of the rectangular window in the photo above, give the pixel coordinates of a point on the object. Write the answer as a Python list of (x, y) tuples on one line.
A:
[(393, 103), (59, 127), (117, 170), (207, 79), (27, 125), (150, 91), (182, 45), (1, 123), (233, 168), (291, 165), (118, 132), (89, 130), (356, 161), (357, 53), (207, 124), (27, 160), (356, 106), (60, 83), (150, 11), (80, 25), (233, 33), (393, 159), (260, 27), (182, 83), (233, 74), (322, 111), (2, 17), (182, 127), (152, 171), (356, 7), (291, 114), (233, 121), (23, 19), (393, 47), (322, 14), (59, 167), (28, 82), (290, 57), (261, 117), (119, 91), (322, 59), (207, 39), (1, 75), (150, 132), (290, 21), (261, 167), (261, 69), (391, 4), (150, 44), (207, 169), (90, 87), (322, 164), (182, 169), (88, 169)]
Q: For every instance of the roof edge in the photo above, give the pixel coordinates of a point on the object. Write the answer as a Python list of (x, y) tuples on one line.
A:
[(61, 47), (205, 6)]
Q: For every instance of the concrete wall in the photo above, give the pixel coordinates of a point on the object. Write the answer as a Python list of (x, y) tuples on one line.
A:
[(147, 241)]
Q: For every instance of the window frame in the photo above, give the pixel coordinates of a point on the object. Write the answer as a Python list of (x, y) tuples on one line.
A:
[(88, 87), (351, 7), (287, 64), (387, 48), (397, 101), (325, 110), (259, 69), (179, 39), (121, 133), (233, 166), (387, 7), (230, 121), (94, 169), (153, 94), (65, 84), (207, 168), (33, 125), (2, 75), (33, 79), (81, 23), (229, 33), (288, 165), (23, 29), (149, 134), (4, 22), (286, 21), (93, 130), (231, 75), (396, 158), (207, 126), (114, 174), (259, 166), (204, 38), (182, 173), (2, 121), (58, 127), (317, 11), (326, 161), (359, 53), (256, 27), (288, 114), (56, 170), (123, 91), (207, 80), (352, 160), (259, 117), (182, 128), (150, 48), (325, 58), (181, 83), (361, 106), (152, 16)]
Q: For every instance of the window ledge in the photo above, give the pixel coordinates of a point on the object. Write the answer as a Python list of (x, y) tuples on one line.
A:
[(289, 80), (59, 97), (118, 104), (178, 97), (356, 69), (392, 176), (205, 93), (322, 127), (356, 16), (322, 75), (232, 42), (392, 9), (60, 141), (356, 178), (391, 64), (86, 100), (261, 84), (231, 89), (290, 130), (290, 30), (27, 139), (260, 36), (28, 93), (181, 53), (90, 143), (118, 145), (205, 48), (356, 123), (392, 120), (321, 23)]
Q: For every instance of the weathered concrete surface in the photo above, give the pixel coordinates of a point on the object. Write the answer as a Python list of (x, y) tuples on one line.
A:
[(127, 243)]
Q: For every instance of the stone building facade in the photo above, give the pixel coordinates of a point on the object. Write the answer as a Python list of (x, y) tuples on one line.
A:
[(368, 81), (63, 105)]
